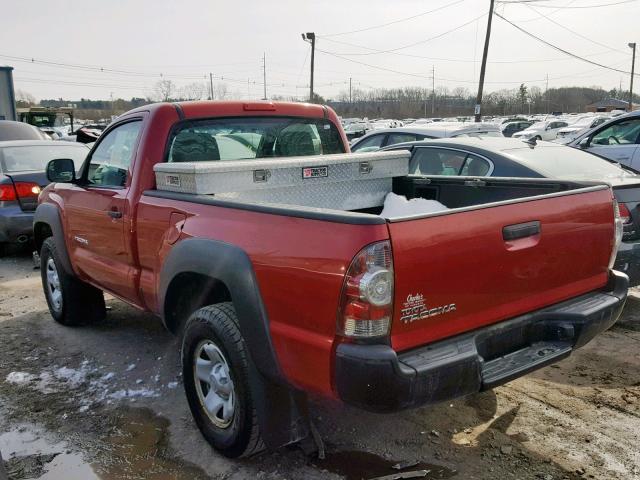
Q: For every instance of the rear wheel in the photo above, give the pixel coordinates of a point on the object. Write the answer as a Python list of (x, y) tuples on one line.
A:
[(71, 302), (538, 138), (215, 366)]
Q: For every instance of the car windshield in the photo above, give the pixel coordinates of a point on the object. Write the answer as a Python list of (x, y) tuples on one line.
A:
[(569, 163), (36, 157), (244, 138)]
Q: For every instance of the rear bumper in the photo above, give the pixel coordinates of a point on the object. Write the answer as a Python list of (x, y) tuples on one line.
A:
[(628, 261), (14, 224), (375, 378)]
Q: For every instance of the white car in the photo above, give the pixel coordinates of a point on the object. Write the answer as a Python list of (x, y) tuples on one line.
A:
[(547, 130), (377, 139), (567, 134)]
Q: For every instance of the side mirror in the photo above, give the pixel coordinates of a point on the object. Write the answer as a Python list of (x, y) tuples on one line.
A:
[(61, 170), (584, 143)]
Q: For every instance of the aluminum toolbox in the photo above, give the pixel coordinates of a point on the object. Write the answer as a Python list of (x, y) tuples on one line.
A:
[(342, 182)]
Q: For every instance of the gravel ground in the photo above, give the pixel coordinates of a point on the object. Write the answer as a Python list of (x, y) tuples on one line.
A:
[(106, 402)]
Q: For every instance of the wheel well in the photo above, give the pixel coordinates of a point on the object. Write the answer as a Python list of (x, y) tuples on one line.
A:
[(41, 231), (188, 292)]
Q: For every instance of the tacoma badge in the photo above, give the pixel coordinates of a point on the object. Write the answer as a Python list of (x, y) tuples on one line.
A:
[(414, 308)]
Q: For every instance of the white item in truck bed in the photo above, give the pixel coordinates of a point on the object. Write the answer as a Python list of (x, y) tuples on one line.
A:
[(399, 206), (342, 182)]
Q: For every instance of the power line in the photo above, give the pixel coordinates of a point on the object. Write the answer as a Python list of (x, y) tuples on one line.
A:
[(566, 7), (420, 42), (575, 33), (573, 55), (392, 22)]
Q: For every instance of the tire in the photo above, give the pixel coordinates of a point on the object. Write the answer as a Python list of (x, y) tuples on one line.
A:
[(538, 138), (213, 341), (71, 301)]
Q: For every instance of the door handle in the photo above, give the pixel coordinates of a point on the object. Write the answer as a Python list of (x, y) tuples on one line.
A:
[(521, 230), (114, 214)]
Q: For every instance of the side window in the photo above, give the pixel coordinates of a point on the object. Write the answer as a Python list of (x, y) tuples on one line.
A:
[(400, 138), (370, 144), (435, 161), (111, 160), (475, 166), (620, 133)]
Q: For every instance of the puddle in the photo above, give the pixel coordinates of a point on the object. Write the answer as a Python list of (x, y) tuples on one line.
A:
[(139, 448), (29, 454), (355, 465), (136, 448)]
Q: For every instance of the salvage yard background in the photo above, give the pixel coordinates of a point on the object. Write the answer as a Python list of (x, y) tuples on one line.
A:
[(106, 401)]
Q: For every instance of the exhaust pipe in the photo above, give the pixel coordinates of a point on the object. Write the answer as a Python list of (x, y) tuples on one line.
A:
[(23, 238)]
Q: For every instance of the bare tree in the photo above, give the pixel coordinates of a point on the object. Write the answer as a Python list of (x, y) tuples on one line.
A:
[(25, 99), (220, 91), (164, 90), (193, 91)]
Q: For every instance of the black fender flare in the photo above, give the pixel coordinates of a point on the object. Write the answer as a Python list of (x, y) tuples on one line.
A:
[(282, 410), (49, 214)]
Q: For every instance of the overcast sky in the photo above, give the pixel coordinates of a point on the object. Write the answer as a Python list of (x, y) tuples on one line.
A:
[(186, 40)]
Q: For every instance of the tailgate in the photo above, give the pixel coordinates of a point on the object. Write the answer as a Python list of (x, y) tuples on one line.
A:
[(455, 272)]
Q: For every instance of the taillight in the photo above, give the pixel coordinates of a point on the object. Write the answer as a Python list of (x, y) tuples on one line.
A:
[(617, 236), (10, 192), (7, 192), (366, 305), (625, 214)]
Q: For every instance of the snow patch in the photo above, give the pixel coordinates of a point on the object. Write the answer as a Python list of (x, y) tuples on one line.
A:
[(20, 378), (133, 393), (399, 206), (172, 385)]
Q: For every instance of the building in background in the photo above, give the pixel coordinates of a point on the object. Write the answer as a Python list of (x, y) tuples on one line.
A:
[(608, 105)]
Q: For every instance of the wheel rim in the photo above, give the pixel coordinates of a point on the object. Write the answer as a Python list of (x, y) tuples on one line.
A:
[(53, 285), (214, 385)]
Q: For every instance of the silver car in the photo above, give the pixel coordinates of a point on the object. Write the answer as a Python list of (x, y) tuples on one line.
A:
[(618, 140)]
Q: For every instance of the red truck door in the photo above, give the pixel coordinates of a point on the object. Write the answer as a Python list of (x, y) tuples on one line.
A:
[(98, 213)]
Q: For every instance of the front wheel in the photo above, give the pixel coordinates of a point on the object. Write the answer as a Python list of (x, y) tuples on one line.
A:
[(71, 301), (215, 368)]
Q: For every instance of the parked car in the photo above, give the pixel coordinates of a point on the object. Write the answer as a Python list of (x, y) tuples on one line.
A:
[(356, 130), (382, 138), (10, 130), (498, 157), (547, 130), (314, 290), (618, 140), (22, 176), (509, 128), (570, 132)]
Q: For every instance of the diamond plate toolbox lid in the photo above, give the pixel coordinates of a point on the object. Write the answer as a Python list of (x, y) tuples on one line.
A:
[(315, 181)]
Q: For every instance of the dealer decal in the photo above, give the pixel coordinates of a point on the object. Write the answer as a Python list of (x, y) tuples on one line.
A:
[(415, 308), (172, 180), (315, 172)]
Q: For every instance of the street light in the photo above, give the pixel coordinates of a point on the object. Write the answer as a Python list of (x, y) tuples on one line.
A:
[(633, 67), (311, 38)]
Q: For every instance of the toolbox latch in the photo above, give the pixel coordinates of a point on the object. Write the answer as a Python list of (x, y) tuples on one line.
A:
[(365, 167), (261, 175)]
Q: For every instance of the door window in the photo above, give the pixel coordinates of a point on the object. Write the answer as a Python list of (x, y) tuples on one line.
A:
[(110, 162), (370, 144), (400, 138), (436, 161), (621, 133)]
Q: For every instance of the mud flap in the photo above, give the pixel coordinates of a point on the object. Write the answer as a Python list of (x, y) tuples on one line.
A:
[(282, 411)]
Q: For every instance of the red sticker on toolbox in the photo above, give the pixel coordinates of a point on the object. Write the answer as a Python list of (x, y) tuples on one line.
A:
[(315, 172)]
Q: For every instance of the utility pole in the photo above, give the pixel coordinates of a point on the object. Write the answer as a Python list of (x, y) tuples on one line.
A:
[(350, 97), (478, 108), (264, 74), (546, 93), (310, 37), (433, 90), (211, 85), (633, 68)]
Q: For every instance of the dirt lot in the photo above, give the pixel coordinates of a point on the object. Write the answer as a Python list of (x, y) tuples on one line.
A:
[(106, 402)]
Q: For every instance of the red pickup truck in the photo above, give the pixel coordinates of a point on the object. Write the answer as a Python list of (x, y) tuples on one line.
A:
[(277, 300)]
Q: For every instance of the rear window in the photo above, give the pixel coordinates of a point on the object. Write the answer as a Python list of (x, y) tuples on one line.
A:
[(36, 157), (244, 138), (568, 163)]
